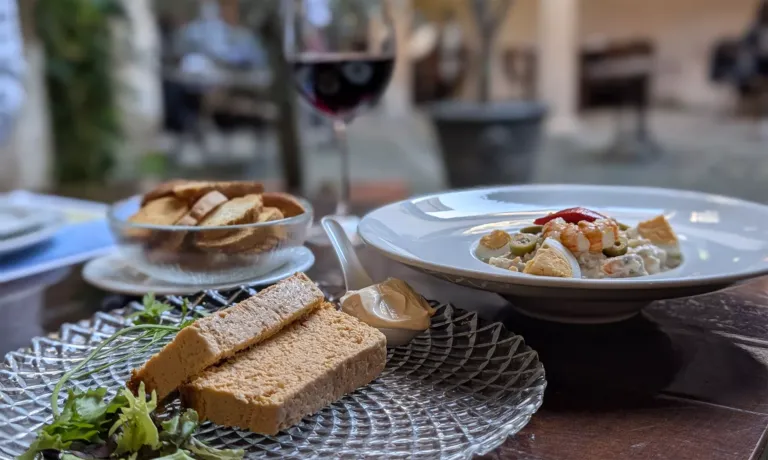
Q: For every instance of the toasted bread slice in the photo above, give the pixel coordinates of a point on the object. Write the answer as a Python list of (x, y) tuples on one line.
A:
[(243, 210), (202, 208), (286, 203), (235, 212), (162, 190), (308, 365), (248, 238), (162, 211), (193, 191), (216, 337)]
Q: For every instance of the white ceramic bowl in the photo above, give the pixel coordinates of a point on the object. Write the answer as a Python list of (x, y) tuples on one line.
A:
[(723, 240)]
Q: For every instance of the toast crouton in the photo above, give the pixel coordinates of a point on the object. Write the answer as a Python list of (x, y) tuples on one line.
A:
[(658, 231)]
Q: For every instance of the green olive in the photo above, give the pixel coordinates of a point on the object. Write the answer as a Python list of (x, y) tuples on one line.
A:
[(619, 248), (623, 227), (523, 243), (533, 229)]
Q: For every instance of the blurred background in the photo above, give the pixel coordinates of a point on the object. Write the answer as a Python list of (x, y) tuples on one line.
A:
[(121, 94)]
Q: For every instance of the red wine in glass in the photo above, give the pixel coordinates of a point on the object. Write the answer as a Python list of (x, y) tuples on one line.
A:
[(340, 85)]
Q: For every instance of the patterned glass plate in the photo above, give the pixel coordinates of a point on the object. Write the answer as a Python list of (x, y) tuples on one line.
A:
[(458, 390)]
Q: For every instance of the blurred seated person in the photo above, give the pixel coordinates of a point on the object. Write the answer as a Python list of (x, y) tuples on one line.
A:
[(227, 45), (205, 59)]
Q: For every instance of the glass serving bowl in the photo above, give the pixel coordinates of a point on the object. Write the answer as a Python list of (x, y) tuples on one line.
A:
[(207, 255)]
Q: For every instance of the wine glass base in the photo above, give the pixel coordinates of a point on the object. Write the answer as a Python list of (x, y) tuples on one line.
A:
[(318, 237)]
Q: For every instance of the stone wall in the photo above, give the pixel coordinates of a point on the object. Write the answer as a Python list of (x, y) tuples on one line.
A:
[(683, 32)]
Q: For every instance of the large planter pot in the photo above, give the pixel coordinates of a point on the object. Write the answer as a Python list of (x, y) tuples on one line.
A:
[(488, 144)]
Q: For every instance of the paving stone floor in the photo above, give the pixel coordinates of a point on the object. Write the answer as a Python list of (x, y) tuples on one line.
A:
[(701, 152)]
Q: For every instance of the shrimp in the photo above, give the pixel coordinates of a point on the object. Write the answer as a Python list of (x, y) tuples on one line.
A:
[(554, 228), (584, 236)]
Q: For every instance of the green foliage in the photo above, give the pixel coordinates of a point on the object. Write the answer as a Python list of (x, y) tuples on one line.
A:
[(85, 419), (138, 428), (82, 90), (153, 311), (154, 164), (126, 428)]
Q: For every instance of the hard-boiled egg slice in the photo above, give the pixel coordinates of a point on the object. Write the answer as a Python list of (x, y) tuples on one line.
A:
[(494, 244), (565, 254)]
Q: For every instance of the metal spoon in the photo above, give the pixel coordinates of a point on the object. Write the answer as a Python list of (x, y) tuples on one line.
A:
[(356, 277)]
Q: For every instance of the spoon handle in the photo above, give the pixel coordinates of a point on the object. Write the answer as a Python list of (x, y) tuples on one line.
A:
[(355, 276)]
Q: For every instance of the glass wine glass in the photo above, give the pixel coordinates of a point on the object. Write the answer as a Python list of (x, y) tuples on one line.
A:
[(342, 53)]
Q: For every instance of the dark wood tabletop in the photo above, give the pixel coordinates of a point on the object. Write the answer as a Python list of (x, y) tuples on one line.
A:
[(686, 379)]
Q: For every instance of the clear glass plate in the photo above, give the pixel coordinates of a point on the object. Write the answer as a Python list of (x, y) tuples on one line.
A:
[(458, 390)]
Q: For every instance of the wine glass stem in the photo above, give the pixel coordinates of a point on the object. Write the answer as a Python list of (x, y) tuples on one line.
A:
[(340, 131)]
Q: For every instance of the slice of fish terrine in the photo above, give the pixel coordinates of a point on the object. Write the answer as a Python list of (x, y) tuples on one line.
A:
[(308, 365), (215, 338)]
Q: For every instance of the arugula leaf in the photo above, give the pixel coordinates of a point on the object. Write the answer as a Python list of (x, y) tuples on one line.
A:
[(153, 311), (117, 403), (82, 419), (204, 452), (138, 429), (180, 428), (43, 442), (88, 406)]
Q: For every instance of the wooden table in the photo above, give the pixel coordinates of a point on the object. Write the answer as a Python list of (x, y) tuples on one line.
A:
[(686, 380)]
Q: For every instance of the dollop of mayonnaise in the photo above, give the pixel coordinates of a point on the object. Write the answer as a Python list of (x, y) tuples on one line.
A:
[(391, 304)]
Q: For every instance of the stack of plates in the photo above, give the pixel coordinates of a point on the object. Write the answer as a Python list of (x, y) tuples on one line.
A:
[(23, 227)]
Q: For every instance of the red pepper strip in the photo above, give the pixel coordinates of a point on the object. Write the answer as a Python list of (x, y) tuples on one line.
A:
[(571, 215)]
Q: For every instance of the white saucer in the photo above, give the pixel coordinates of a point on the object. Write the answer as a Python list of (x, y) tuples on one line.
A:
[(50, 226), (111, 273)]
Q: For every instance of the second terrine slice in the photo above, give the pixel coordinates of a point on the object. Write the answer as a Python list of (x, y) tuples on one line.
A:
[(308, 365)]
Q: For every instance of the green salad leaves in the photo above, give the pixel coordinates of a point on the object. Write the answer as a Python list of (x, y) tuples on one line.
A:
[(125, 427), (135, 419)]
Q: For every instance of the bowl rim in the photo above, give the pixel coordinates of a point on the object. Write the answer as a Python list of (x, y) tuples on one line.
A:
[(497, 275), (114, 220)]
